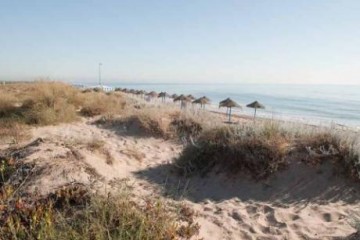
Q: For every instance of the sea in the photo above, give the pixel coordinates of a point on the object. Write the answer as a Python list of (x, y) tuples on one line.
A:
[(314, 104)]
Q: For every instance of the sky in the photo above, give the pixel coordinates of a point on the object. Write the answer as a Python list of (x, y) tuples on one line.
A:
[(181, 41)]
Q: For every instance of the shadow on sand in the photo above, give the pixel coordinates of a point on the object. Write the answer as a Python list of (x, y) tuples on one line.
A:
[(297, 184)]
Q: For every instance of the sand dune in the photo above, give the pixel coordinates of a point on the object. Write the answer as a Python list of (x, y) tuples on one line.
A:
[(299, 203)]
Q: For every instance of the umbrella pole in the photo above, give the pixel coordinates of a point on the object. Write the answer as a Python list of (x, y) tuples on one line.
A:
[(230, 115), (255, 114)]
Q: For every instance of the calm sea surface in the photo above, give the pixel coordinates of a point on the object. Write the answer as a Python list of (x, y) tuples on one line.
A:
[(321, 104)]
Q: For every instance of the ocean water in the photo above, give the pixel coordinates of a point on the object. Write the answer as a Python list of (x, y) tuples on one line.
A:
[(315, 104)]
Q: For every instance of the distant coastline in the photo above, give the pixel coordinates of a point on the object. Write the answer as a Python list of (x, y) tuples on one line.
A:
[(312, 104)]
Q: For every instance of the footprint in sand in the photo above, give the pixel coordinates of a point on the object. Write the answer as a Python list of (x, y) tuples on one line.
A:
[(237, 216), (271, 219), (294, 217), (327, 217), (251, 209)]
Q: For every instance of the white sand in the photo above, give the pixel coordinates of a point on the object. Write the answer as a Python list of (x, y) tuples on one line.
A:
[(299, 203)]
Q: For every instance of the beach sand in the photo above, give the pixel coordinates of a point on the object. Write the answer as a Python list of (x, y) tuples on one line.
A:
[(299, 203)]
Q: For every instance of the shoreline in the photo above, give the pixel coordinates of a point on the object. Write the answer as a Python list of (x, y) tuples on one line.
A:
[(305, 104)]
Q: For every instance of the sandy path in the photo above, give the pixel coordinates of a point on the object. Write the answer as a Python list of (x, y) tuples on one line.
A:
[(296, 204)]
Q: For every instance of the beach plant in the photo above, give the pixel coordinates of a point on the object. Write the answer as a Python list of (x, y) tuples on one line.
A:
[(45, 102), (233, 150), (261, 149), (74, 211)]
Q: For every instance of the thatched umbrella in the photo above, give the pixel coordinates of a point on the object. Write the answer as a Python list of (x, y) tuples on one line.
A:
[(182, 98), (255, 105), (152, 94), (228, 103), (140, 92), (174, 96), (163, 95), (202, 101), (191, 97), (223, 101)]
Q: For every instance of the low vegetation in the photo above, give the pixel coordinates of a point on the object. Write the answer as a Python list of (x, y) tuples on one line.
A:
[(155, 122), (44, 103), (98, 103), (47, 103), (75, 212), (233, 150), (265, 148)]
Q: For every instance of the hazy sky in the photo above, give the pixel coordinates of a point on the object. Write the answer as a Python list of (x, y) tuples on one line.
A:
[(232, 41)]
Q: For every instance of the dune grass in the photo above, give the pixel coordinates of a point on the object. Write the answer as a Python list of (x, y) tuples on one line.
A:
[(150, 121), (49, 103), (260, 150), (76, 212), (44, 103), (39, 103)]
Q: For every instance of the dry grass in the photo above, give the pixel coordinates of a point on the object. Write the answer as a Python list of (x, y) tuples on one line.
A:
[(95, 145), (260, 150), (167, 123), (75, 212), (13, 133), (233, 150), (46, 103), (98, 146), (133, 152), (98, 103), (39, 103)]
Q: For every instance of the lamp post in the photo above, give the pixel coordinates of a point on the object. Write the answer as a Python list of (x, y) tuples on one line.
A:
[(100, 64)]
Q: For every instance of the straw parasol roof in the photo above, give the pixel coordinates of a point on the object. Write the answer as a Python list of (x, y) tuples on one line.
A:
[(191, 97), (224, 101), (207, 99), (174, 96), (163, 94), (182, 98), (152, 94), (203, 100), (140, 92), (255, 105), (229, 103)]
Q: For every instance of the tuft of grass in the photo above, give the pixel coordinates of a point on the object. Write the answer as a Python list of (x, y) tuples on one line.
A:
[(186, 126), (155, 122), (99, 103), (13, 132), (233, 150), (75, 212), (39, 103), (342, 150), (95, 145), (133, 153), (260, 150), (44, 103)]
